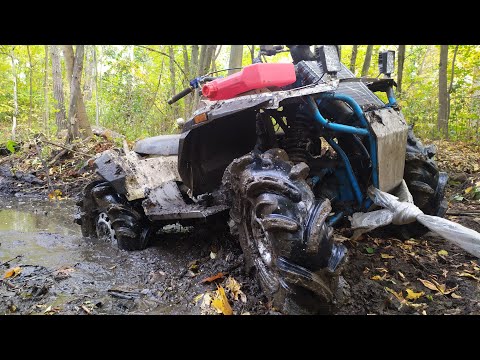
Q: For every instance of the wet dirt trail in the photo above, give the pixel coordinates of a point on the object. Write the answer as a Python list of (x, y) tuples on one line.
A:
[(63, 273)]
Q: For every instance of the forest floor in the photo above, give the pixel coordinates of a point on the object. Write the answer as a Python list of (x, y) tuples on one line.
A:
[(48, 268)]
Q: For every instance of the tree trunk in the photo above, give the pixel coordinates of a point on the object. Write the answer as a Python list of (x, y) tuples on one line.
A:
[(173, 86), (81, 117), (208, 58), (194, 72), (186, 66), (31, 87), (252, 53), (75, 93), (339, 47), (97, 109), (15, 98), (442, 120), (46, 114), (87, 83), (353, 58), (60, 117), (236, 55), (215, 57), (401, 61), (201, 60), (450, 87), (366, 62), (129, 114)]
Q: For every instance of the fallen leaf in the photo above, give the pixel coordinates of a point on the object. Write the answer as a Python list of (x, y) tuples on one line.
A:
[(234, 287), (466, 274), (12, 272), (435, 286), (112, 267), (370, 250), (455, 296), (197, 298), (55, 195), (428, 284), (217, 276), (401, 275), (86, 309), (458, 198), (443, 253), (386, 256), (48, 309), (398, 295), (245, 313), (378, 277), (469, 189), (412, 295), (213, 255), (220, 302)]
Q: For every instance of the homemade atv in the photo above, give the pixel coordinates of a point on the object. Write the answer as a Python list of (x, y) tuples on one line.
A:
[(287, 153)]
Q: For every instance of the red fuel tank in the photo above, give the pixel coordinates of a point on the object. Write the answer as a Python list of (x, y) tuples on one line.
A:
[(255, 76)]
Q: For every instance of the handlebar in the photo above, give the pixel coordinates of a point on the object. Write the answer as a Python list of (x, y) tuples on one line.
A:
[(180, 95)]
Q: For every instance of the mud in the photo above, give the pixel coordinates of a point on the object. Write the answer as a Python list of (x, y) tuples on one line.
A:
[(62, 273)]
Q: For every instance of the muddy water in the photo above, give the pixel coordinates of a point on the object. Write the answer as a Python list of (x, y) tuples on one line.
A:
[(101, 278)]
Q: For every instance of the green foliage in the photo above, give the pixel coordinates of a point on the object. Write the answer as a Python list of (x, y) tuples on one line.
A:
[(133, 91), (11, 146)]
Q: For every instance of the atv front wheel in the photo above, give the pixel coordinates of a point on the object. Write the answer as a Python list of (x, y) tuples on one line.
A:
[(106, 215), (426, 183), (283, 233)]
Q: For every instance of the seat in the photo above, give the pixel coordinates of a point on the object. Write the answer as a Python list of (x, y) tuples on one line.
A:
[(158, 145)]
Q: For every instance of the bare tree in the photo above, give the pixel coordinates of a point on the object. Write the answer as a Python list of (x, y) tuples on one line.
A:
[(88, 82), (236, 55), (81, 116), (30, 77), (46, 113), (368, 59), (401, 61), (15, 90), (208, 58), (97, 109), (75, 93), (186, 65), (173, 86), (442, 119), (60, 116), (353, 58), (450, 87)]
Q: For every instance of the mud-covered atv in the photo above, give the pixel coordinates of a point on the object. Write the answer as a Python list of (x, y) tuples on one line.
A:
[(287, 164)]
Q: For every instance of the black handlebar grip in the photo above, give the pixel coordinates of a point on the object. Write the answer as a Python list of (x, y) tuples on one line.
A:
[(180, 95)]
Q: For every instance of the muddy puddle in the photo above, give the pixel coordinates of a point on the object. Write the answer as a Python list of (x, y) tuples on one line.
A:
[(61, 272)]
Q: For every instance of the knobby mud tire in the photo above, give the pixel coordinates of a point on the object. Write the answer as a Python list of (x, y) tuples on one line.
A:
[(426, 184), (279, 225), (131, 227)]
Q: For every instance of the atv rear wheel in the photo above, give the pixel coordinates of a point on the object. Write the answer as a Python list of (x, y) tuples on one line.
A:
[(426, 183), (283, 233), (106, 215)]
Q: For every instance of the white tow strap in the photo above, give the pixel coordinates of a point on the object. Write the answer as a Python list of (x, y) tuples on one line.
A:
[(405, 212)]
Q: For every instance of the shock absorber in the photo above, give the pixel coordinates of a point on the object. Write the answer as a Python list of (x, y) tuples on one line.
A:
[(297, 139)]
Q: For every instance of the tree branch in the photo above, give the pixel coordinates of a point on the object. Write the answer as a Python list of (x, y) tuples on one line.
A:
[(453, 69), (165, 54)]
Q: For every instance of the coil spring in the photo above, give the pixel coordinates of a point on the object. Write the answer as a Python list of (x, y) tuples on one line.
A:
[(297, 139)]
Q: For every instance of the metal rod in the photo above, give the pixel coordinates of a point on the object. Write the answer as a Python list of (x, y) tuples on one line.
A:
[(333, 126), (359, 113), (351, 176)]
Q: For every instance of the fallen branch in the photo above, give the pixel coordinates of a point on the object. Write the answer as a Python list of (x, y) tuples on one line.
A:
[(463, 213), (6, 262), (69, 148)]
